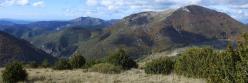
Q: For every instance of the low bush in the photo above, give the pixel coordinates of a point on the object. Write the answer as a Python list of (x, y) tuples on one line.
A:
[(62, 64), (77, 61), (121, 59), (91, 63), (45, 64), (229, 66), (106, 68), (195, 62), (159, 66), (13, 73), (31, 65)]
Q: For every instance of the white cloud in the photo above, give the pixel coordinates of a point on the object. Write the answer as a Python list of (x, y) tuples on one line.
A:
[(92, 2), (22, 2), (13, 2), (179, 2), (118, 8), (112, 5), (244, 6), (38, 4)]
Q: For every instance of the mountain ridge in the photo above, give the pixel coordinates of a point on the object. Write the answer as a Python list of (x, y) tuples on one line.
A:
[(44, 27)]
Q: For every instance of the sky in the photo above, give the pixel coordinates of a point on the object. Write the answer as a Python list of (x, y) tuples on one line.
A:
[(109, 9)]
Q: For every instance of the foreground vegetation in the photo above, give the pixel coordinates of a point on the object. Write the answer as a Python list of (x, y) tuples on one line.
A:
[(83, 76), (14, 72), (117, 68), (226, 66)]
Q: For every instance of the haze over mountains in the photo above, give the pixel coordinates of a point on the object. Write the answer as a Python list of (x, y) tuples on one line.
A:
[(26, 31), (16, 21), (139, 34)]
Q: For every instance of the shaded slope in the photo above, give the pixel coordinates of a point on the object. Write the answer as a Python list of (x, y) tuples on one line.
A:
[(12, 48), (63, 43)]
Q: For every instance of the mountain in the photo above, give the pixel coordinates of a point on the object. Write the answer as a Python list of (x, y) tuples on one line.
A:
[(12, 48), (34, 29), (2, 22), (84, 22), (17, 30), (149, 32), (65, 42), (44, 27), (16, 21), (51, 36), (209, 23), (113, 21), (88, 22)]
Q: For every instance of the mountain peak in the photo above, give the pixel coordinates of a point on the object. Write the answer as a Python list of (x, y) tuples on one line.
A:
[(86, 18), (142, 18), (196, 10), (193, 6), (87, 21)]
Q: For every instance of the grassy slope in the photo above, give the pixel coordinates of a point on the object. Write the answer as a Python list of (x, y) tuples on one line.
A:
[(81, 76)]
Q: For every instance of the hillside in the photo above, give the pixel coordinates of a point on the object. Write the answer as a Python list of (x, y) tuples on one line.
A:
[(12, 48), (65, 42), (149, 32)]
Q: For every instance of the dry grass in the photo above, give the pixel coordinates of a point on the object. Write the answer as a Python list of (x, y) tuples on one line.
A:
[(82, 76), (1, 74), (158, 55)]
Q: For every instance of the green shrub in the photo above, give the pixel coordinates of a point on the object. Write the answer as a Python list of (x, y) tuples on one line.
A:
[(45, 64), (106, 68), (32, 64), (14, 72), (222, 70), (195, 62), (91, 63), (121, 59), (77, 61), (159, 66), (62, 64), (218, 67), (232, 66)]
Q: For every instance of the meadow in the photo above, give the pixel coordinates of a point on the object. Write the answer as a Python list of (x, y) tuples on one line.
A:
[(83, 76)]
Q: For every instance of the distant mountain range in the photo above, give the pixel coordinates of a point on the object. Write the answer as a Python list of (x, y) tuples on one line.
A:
[(27, 31), (139, 34), (16, 21)]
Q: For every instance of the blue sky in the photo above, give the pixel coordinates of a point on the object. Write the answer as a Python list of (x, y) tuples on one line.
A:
[(108, 9)]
